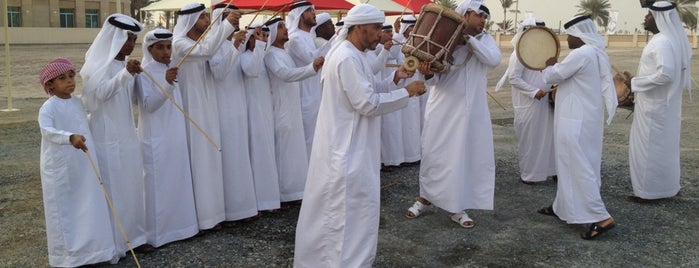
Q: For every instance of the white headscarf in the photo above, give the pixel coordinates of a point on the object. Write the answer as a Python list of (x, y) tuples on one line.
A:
[(668, 21), (531, 21), (152, 37), (405, 23), (186, 21), (358, 15), (294, 17), (106, 46), (584, 28), (273, 24), (472, 5), (251, 31), (320, 19)]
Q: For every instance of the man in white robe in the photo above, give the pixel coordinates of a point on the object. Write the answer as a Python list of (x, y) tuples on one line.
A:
[(324, 30), (302, 49), (78, 229), (291, 152), (260, 119), (199, 98), (339, 218), (170, 211), (411, 116), (585, 87), (391, 123), (664, 70), (533, 122), (108, 94), (458, 165), (238, 184)]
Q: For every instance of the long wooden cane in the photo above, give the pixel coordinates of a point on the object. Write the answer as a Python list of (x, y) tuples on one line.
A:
[(276, 13), (258, 12), (496, 101), (203, 35), (111, 206), (162, 90)]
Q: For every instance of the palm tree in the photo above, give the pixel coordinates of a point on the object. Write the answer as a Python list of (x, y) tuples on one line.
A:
[(506, 26), (598, 10), (688, 13), (506, 4), (136, 6), (450, 4)]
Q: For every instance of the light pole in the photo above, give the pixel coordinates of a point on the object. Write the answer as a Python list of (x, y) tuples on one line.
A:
[(7, 61)]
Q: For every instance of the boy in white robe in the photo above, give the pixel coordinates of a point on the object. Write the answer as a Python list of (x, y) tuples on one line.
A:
[(78, 228), (392, 153), (291, 152), (238, 185), (585, 87), (339, 218), (170, 211), (411, 116), (108, 95), (458, 165), (533, 121), (664, 70), (260, 119), (199, 98)]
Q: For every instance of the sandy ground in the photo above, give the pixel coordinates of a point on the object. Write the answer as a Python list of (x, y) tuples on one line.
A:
[(661, 234)]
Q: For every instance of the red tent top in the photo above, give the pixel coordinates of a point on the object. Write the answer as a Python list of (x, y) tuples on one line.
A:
[(276, 5), (415, 5)]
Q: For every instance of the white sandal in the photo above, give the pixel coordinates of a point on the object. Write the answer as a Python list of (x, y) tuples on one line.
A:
[(462, 218), (417, 209)]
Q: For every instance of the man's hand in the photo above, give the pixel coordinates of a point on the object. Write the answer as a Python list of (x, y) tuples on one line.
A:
[(133, 67), (258, 34), (318, 63), (540, 94), (78, 141), (171, 75), (425, 69), (402, 73), (416, 88), (234, 18), (239, 38), (551, 61)]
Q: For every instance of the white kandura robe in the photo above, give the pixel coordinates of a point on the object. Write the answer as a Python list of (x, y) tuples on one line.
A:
[(411, 116), (392, 153), (533, 123), (170, 211), (578, 136), (339, 218), (289, 141), (239, 187), (261, 128), (302, 49), (654, 142), (78, 228), (457, 171), (118, 151), (199, 99)]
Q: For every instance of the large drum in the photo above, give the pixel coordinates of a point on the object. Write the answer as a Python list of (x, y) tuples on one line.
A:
[(434, 37), (536, 45)]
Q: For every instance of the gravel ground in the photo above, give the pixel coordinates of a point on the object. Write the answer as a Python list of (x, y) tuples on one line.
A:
[(660, 234)]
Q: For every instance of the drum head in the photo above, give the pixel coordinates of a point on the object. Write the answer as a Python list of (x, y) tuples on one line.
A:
[(536, 45)]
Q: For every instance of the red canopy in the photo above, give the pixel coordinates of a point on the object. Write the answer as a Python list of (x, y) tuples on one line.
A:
[(415, 5), (276, 5)]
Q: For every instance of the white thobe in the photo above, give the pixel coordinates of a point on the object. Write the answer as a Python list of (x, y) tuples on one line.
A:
[(533, 123), (199, 98), (238, 185), (457, 171), (654, 142), (339, 218), (78, 228), (392, 153), (170, 211), (302, 48), (261, 128), (411, 118), (118, 151), (289, 141), (578, 136)]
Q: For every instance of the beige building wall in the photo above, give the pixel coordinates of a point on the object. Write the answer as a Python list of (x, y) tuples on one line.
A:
[(46, 13)]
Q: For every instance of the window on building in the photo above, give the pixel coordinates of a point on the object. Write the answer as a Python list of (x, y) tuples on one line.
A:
[(67, 16), (92, 17), (14, 17)]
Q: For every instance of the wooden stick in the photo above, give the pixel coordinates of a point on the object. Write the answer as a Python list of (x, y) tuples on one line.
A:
[(162, 90), (111, 206), (203, 35), (384, 187), (393, 65), (258, 12), (275, 13), (496, 101)]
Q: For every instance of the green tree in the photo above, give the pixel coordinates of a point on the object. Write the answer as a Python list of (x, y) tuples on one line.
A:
[(688, 13), (506, 26), (450, 4), (597, 9), (506, 4), (136, 6)]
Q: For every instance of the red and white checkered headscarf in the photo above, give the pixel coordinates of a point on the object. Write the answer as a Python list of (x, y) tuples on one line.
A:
[(54, 69)]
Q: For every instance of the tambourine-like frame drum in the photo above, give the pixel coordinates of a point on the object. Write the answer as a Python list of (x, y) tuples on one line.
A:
[(433, 38), (625, 96), (536, 45)]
